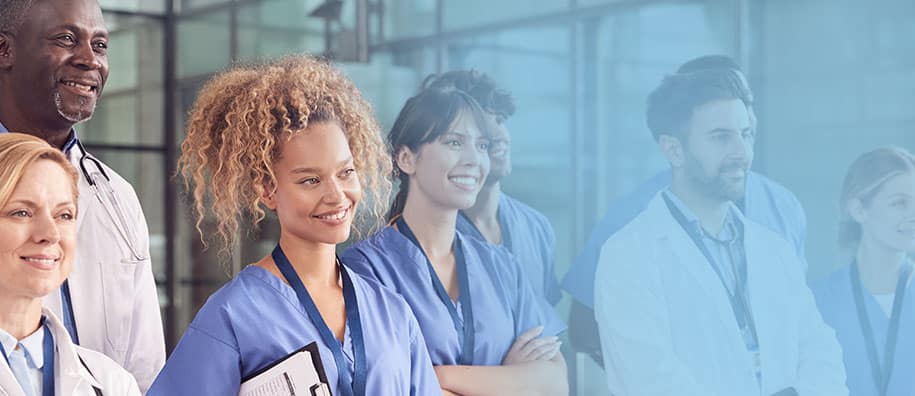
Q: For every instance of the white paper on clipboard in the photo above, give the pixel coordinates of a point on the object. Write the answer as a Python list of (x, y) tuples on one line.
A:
[(300, 373)]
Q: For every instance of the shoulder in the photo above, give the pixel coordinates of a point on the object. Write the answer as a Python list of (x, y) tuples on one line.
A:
[(382, 298), (781, 196), (497, 261), (525, 212), (832, 284), (120, 185), (238, 301), (377, 244)]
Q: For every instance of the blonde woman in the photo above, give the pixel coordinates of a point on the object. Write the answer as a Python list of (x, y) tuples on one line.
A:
[(294, 137), (871, 302), (37, 245)]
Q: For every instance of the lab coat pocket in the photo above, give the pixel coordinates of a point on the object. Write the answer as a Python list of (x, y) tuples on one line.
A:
[(119, 294)]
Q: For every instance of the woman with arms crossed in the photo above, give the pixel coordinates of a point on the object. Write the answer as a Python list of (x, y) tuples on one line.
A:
[(478, 312)]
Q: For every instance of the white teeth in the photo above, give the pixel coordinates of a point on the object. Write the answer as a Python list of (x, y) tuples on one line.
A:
[(465, 180), (81, 87), (335, 216), (41, 261)]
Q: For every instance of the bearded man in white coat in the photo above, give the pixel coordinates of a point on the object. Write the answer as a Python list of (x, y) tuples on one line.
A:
[(693, 298)]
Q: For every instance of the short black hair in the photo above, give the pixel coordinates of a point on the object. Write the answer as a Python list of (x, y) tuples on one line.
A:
[(479, 86), (709, 62), (13, 13), (671, 104)]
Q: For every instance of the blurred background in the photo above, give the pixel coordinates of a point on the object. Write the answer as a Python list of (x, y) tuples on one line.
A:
[(832, 79)]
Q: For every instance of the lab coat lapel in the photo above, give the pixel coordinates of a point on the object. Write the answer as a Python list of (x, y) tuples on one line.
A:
[(765, 289), (8, 384), (70, 373), (677, 248)]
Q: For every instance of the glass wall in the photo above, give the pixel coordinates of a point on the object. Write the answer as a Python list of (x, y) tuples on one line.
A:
[(580, 71)]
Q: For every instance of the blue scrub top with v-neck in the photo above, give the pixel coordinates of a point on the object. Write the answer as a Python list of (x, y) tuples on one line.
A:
[(503, 302), (836, 302), (256, 319)]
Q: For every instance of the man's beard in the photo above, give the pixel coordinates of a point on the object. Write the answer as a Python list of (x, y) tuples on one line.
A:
[(76, 117), (718, 186)]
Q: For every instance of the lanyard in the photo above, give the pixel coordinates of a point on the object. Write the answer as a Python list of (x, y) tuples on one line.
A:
[(738, 297), (348, 385), (881, 373), (47, 370), (465, 330), (69, 318)]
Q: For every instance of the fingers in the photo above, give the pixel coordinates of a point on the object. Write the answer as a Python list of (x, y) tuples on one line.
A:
[(547, 352), (529, 335), (538, 346)]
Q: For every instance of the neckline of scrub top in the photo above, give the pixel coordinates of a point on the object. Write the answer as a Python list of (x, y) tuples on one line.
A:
[(47, 366), (501, 217), (349, 384), (464, 328), (881, 373)]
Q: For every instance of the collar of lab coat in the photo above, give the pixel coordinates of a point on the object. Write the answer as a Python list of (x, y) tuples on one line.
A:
[(658, 219), (69, 372)]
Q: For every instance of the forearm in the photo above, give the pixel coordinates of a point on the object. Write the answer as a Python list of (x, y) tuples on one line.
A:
[(545, 377)]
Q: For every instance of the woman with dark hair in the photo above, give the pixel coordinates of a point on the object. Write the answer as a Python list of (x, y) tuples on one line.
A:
[(870, 302), (486, 331)]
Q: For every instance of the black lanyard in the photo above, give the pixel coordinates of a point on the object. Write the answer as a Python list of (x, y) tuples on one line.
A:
[(737, 298), (464, 331), (348, 385), (47, 370), (881, 373)]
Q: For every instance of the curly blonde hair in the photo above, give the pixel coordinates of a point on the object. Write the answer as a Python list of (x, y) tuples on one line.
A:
[(240, 119)]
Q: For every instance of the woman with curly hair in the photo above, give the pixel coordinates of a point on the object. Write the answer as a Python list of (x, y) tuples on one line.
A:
[(295, 137)]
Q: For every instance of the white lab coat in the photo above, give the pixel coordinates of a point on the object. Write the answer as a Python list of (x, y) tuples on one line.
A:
[(70, 376), (667, 328), (115, 303)]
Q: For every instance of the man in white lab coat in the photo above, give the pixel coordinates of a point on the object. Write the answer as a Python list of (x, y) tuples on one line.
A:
[(693, 298), (53, 67)]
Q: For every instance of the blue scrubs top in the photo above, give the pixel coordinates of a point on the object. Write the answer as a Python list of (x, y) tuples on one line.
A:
[(504, 304), (837, 305), (766, 202), (529, 237), (256, 319)]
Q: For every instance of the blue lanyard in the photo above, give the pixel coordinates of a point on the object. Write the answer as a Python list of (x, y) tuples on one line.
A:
[(465, 330), (880, 373), (47, 370), (67, 308), (348, 385), (738, 297)]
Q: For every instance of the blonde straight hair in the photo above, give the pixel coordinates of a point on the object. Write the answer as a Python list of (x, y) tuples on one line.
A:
[(18, 151)]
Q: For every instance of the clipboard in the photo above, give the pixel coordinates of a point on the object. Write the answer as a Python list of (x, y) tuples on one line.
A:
[(300, 373)]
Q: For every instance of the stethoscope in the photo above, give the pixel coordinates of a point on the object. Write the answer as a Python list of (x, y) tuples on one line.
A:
[(100, 183)]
